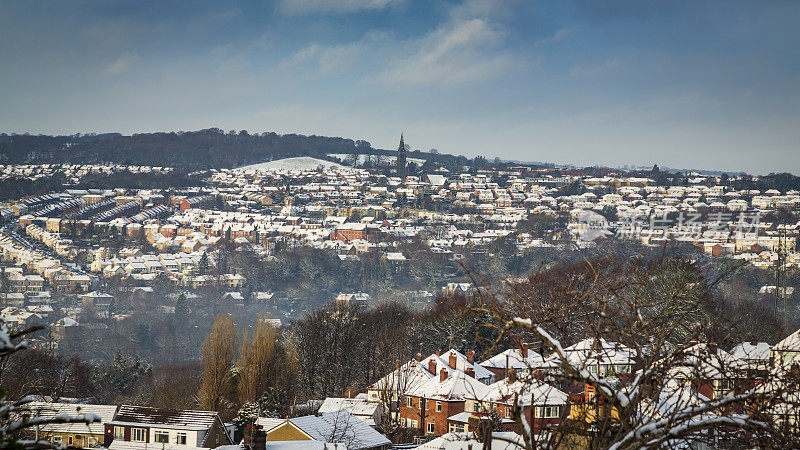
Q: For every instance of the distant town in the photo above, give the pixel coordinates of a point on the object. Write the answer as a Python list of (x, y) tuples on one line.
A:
[(147, 281)]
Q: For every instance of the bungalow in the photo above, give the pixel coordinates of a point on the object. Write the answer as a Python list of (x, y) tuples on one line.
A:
[(72, 434), (165, 428)]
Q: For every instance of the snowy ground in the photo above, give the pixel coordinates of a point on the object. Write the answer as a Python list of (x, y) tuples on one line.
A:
[(299, 163)]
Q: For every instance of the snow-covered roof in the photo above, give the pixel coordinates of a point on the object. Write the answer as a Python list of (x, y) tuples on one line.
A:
[(592, 351), (404, 379), (791, 342), (341, 427), (355, 406), (513, 358), (456, 387), (185, 419), (751, 351), (529, 392), (462, 363), (50, 410), (505, 440)]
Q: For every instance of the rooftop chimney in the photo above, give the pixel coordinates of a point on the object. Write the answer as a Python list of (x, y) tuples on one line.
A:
[(418, 356), (471, 355), (512, 376), (452, 361), (432, 366), (523, 349), (438, 352), (443, 374), (470, 372)]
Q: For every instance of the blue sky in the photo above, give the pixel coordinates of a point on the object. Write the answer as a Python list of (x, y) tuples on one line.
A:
[(706, 84)]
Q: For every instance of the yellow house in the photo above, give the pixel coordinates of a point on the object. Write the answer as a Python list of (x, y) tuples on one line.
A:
[(591, 408), (287, 431)]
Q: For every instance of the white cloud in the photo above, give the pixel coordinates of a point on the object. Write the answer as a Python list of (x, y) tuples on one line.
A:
[(458, 52), (298, 7), (337, 59), (122, 64)]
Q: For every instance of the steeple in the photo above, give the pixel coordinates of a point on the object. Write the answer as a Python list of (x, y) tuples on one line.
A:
[(401, 158)]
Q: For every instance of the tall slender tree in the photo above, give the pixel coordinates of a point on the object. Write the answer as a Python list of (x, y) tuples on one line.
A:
[(219, 353)]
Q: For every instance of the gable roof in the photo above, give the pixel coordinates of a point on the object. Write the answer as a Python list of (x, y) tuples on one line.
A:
[(530, 392), (462, 363), (791, 342), (456, 387), (403, 379), (513, 357), (751, 351)]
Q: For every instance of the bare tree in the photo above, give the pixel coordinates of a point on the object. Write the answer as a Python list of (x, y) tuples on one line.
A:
[(16, 418), (257, 361), (219, 353)]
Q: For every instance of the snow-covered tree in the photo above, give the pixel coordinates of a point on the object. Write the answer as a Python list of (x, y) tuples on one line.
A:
[(638, 346)]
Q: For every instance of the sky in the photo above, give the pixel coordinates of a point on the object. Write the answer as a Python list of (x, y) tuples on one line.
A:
[(683, 84)]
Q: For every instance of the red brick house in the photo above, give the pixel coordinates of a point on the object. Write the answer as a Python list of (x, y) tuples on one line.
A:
[(348, 232), (429, 405), (541, 403)]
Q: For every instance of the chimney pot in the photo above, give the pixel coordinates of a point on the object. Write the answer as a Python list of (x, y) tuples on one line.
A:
[(512, 376), (443, 374)]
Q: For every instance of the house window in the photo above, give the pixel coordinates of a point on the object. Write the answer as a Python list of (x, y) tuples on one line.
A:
[(181, 439), (438, 406), (431, 427), (508, 412), (119, 433), (138, 435), (548, 412), (414, 424), (161, 437), (475, 407), (69, 440), (410, 402)]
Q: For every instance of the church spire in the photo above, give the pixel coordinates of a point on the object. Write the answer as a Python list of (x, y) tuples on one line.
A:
[(401, 158)]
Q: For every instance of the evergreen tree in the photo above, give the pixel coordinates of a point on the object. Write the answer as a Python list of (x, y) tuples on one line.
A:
[(181, 306), (202, 266)]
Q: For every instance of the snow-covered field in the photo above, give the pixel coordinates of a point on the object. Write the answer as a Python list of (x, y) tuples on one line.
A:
[(299, 163)]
